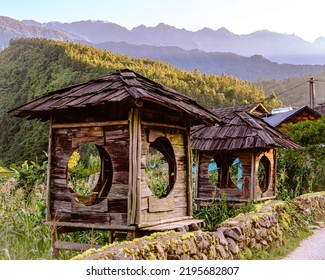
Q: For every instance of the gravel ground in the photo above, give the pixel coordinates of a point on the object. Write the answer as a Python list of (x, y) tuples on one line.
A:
[(312, 248)]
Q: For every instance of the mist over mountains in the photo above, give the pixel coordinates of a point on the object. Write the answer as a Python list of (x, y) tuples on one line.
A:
[(257, 56)]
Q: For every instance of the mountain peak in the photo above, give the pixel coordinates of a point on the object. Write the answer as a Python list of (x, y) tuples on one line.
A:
[(164, 26)]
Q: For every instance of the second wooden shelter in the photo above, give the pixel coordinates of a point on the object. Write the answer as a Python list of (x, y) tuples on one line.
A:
[(238, 159)]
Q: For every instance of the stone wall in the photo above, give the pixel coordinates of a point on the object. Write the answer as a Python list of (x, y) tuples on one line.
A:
[(235, 238)]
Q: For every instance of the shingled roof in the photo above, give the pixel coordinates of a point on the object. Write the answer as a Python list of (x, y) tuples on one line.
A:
[(114, 87), (242, 130)]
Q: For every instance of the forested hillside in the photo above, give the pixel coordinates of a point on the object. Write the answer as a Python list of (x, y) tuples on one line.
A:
[(295, 91), (31, 67)]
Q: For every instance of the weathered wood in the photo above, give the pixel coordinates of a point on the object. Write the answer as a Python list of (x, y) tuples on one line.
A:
[(61, 206), (101, 207), (154, 124), (95, 226), (76, 142), (73, 246), (101, 218), (161, 204), (49, 185), (189, 183), (165, 221), (185, 224), (89, 124), (117, 205), (154, 134), (134, 164)]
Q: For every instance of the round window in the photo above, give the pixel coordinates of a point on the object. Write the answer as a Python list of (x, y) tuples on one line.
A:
[(89, 173), (160, 167)]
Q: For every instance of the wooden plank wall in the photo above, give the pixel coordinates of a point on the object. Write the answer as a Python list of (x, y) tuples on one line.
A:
[(174, 205), (270, 192), (206, 190), (251, 190), (115, 140)]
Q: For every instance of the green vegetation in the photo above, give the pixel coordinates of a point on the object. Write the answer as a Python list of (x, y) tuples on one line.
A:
[(218, 211), (32, 67), (302, 171), (296, 229), (24, 235), (295, 91)]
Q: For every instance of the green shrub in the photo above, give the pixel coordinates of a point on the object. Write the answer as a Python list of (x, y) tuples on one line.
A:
[(29, 175)]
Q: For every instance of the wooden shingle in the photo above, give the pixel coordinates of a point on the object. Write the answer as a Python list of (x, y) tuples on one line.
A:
[(114, 87), (242, 130)]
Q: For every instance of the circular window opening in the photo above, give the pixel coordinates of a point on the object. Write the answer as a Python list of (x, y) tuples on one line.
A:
[(264, 173), (236, 172), (89, 173), (160, 167), (214, 172)]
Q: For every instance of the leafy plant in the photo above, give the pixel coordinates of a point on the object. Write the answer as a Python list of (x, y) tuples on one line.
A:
[(24, 234), (215, 213), (301, 171), (29, 175)]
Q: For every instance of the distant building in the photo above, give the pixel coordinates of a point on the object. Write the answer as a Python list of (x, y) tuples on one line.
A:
[(292, 116), (281, 110)]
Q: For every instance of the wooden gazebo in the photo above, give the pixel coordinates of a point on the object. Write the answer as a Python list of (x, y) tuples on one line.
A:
[(237, 160), (125, 115)]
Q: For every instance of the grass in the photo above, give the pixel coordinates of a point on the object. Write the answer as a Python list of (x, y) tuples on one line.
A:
[(24, 234), (290, 244), (5, 174)]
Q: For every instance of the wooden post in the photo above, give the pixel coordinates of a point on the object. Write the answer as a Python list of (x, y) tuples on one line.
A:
[(197, 177), (189, 182), (274, 172), (253, 175), (49, 176), (312, 92), (134, 167)]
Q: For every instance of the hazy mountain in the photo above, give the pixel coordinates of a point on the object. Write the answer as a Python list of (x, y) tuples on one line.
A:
[(219, 51), (247, 68), (11, 28), (281, 48)]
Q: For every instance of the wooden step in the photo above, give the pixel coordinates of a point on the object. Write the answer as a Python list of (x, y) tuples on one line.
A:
[(183, 225), (73, 246)]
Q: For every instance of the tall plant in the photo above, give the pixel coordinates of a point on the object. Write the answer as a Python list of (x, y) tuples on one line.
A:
[(302, 171)]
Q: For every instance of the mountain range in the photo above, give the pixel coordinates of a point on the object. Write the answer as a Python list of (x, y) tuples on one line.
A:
[(262, 55)]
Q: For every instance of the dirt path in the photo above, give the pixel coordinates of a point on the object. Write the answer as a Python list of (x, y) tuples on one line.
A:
[(312, 248)]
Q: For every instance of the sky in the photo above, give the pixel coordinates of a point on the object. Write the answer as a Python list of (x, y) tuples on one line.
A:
[(305, 19)]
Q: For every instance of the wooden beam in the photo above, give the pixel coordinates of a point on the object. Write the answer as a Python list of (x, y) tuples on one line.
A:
[(163, 125), (94, 226), (73, 246), (89, 124), (165, 221)]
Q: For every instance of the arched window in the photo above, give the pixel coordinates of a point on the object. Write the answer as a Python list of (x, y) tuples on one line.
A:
[(161, 167), (264, 173)]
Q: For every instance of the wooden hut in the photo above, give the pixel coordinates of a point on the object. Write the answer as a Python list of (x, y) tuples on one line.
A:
[(125, 115), (238, 159)]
